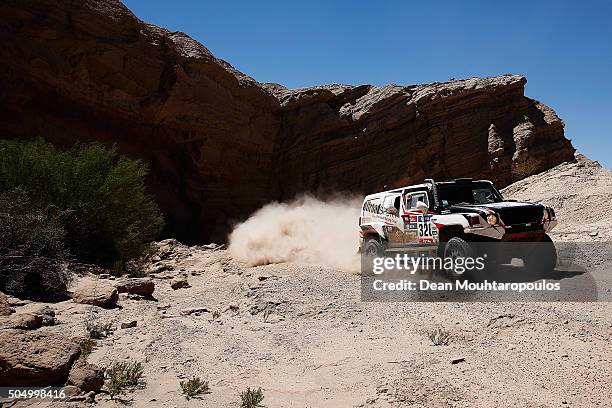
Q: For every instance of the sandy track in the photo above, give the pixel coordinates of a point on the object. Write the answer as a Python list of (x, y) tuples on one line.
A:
[(319, 346)]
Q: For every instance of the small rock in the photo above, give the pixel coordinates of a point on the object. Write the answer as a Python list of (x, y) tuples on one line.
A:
[(457, 360), (87, 377), (32, 316), (71, 390), (233, 307), (104, 276), (163, 275), (593, 234), (136, 286), (90, 397), (129, 324), (194, 310), (179, 284), (96, 292), (211, 246), (157, 268), (5, 307), (44, 311), (274, 318), (26, 321)]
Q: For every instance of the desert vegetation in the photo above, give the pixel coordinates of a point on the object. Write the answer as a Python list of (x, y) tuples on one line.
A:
[(251, 398), (121, 376), (194, 387), (86, 203), (439, 337)]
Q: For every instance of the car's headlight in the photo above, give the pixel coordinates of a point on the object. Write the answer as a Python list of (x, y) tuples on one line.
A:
[(492, 219)]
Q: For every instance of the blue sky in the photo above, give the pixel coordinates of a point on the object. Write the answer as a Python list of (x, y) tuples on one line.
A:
[(563, 48)]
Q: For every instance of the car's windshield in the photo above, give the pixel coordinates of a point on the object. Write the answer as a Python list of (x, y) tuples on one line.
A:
[(468, 193)]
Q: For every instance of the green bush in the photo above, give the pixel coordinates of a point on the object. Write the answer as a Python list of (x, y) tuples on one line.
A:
[(87, 346), (251, 398), (194, 387), (121, 376), (109, 216)]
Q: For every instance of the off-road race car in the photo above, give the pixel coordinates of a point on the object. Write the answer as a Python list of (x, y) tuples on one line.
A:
[(450, 219)]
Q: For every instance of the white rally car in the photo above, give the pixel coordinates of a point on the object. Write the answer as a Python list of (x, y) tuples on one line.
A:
[(447, 217)]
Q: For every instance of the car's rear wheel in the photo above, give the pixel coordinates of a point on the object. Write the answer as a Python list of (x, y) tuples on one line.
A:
[(374, 248), (542, 258), (454, 249)]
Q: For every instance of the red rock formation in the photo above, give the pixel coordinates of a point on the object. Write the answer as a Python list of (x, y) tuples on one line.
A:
[(363, 138), (90, 70), (219, 144)]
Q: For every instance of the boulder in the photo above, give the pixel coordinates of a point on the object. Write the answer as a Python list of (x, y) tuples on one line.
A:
[(31, 316), (71, 390), (96, 292), (179, 283), (35, 358), (26, 321), (5, 306), (46, 312), (88, 377), (136, 286), (129, 324)]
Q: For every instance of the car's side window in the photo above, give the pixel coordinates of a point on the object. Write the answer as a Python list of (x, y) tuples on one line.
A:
[(417, 196), (391, 201)]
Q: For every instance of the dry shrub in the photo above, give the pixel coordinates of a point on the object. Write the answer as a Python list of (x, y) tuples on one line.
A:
[(121, 376), (251, 398), (439, 337), (31, 249), (194, 387)]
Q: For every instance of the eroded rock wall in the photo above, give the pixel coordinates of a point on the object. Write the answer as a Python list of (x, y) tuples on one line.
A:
[(365, 138), (91, 71), (220, 145)]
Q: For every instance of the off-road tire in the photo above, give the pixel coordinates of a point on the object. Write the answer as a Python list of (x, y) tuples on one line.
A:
[(455, 248), (542, 259), (374, 248)]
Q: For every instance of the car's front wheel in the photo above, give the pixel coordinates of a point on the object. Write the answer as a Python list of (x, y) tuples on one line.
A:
[(457, 249), (542, 258)]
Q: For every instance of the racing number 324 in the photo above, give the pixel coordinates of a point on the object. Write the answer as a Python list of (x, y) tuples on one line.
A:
[(425, 229)]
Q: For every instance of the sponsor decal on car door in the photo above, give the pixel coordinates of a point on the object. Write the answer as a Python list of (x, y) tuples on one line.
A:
[(418, 226)]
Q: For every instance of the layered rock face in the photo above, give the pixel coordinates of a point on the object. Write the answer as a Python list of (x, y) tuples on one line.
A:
[(91, 71), (219, 144), (365, 138)]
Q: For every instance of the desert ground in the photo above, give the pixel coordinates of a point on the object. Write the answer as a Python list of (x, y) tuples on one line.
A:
[(301, 332)]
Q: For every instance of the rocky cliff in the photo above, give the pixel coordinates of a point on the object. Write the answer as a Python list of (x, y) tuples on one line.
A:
[(361, 138), (219, 144)]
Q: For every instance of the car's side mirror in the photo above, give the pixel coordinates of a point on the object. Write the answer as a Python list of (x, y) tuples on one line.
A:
[(391, 210), (422, 207)]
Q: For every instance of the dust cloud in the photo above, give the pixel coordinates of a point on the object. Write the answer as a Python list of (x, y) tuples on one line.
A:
[(305, 230)]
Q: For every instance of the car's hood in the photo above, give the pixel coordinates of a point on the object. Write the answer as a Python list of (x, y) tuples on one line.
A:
[(511, 212)]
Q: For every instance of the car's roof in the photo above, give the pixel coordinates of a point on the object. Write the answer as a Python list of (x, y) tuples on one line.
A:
[(420, 186)]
